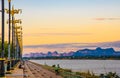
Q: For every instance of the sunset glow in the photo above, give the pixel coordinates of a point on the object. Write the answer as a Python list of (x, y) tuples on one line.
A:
[(69, 21)]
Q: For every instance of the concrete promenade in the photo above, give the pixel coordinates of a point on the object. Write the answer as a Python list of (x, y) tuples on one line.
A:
[(36, 71), (16, 73), (31, 70)]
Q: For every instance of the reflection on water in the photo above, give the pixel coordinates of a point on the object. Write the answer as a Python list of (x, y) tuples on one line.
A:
[(96, 66)]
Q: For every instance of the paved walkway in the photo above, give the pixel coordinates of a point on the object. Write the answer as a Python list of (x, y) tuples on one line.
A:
[(31, 70), (16, 73), (36, 71)]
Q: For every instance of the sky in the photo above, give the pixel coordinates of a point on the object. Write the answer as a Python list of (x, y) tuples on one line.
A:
[(59, 22)]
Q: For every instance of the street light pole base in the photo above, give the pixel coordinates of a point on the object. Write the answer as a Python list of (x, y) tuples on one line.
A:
[(2, 68)]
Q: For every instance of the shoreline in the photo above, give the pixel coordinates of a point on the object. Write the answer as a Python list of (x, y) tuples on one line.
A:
[(96, 66), (69, 72), (80, 74), (71, 59)]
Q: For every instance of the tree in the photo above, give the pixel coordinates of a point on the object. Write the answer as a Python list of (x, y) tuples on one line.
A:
[(6, 48)]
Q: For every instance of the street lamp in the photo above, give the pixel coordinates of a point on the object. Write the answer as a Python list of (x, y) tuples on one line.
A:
[(13, 21), (19, 40), (2, 66), (18, 32), (9, 35)]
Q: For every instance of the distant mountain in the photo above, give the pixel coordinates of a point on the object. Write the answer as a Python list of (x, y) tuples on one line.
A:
[(97, 52), (80, 53)]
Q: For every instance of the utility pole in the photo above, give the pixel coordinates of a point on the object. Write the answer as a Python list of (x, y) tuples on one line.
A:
[(2, 60)]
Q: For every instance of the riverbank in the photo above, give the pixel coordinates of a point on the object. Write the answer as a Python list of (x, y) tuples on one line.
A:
[(75, 58), (67, 73), (96, 66)]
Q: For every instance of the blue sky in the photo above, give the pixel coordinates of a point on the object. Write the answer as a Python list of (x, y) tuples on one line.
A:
[(78, 8), (66, 3)]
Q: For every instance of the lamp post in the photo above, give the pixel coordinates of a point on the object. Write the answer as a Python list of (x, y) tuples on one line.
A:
[(2, 66), (16, 21), (18, 31), (12, 49), (14, 38), (9, 35), (19, 38), (12, 12)]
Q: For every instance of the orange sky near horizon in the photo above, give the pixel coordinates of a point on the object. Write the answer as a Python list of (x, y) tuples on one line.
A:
[(68, 21), (90, 32)]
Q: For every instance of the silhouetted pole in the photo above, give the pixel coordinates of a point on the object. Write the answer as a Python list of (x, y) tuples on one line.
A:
[(2, 67), (20, 43), (3, 25), (9, 36), (9, 30), (18, 30), (13, 50)]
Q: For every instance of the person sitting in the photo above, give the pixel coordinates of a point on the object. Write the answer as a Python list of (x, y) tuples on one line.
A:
[(57, 68)]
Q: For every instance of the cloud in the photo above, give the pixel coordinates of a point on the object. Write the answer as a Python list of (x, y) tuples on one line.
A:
[(58, 34), (101, 19), (77, 45), (110, 44), (66, 47), (51, 45)]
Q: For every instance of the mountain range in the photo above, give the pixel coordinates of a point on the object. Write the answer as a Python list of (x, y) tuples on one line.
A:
[(79, 53)]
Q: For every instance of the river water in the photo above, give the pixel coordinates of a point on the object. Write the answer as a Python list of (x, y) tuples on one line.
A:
[(96, 66)]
